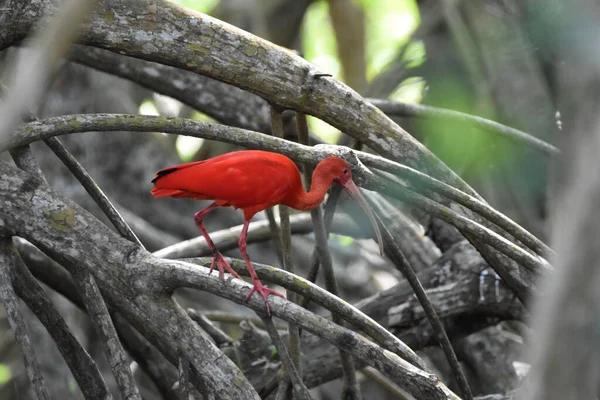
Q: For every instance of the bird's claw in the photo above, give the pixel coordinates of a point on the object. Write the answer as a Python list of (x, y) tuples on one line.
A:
[(219, 260), (264, 292)]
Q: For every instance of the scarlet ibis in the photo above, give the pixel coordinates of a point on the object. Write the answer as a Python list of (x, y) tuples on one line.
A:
[(253, 180)]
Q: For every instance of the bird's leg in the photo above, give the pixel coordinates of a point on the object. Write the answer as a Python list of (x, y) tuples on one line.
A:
[(217, 256), (258, 286)]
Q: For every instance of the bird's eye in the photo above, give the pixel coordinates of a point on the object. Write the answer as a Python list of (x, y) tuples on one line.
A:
[(345, 171)]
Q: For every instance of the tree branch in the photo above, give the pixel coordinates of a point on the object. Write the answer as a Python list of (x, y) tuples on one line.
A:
[(96, 309), (300, 390), (65, 232), (55, 126), (92, 188), (30, 74), (395, 108), (480, 235), (8, 261), (292, 363), (215, 49), (83, 367), (402, 264), (125, 271), (223, 102), (351, 389)]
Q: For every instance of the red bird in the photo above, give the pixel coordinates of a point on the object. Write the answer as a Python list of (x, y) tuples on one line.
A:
[(253, 181)]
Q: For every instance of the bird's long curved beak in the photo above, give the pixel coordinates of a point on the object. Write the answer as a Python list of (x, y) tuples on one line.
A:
[(354, 192)]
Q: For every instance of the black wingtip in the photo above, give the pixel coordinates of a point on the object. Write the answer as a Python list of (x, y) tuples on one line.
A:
[(162, 173)]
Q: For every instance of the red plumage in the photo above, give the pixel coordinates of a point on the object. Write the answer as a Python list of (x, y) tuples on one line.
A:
[(252, 180)]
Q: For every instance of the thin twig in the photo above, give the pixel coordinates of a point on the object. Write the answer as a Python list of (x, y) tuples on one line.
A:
[(16, 321), (402, 372), (300, 390), (228, 318), (259, 231), (24, 159), (385, 383), (115, 122), (286, 248), (351, 388), (420, 181), (117, 358), (434, 113), (82, 366), (404, 267), (93, 190), (152, 362), (274, 230), (184, 377), (330, 302), (330, 206), (219, 336)]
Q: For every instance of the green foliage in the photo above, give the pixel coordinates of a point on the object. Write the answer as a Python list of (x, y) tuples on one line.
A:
[(5, 374), (203, 6), (463, 148), (318, 39), (414, 55), (409, 91), (344, 241), (148, 108), (188, 146), (389, 25)]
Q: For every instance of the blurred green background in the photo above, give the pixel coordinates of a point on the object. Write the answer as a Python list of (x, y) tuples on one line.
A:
[(388, 27)]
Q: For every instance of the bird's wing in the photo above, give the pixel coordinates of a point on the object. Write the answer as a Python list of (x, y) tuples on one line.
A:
[(240, 179), (260, 185), (166, 171)]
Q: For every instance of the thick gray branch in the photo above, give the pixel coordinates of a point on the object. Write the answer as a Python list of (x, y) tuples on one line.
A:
[(80, 243), (80, 363), (499, 251), (225, 103), (135, 282), (227, 239), (206, 94), (98, 312), (8, 261), (166, 33)]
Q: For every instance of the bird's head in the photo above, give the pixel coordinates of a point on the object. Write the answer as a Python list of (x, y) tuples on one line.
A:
[(336, 169), (339, 172)]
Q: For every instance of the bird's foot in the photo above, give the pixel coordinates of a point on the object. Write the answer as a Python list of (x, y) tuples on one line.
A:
[(264, 292), (221, 264)]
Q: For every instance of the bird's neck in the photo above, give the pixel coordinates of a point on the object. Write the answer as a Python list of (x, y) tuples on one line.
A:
[(311, 199)]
